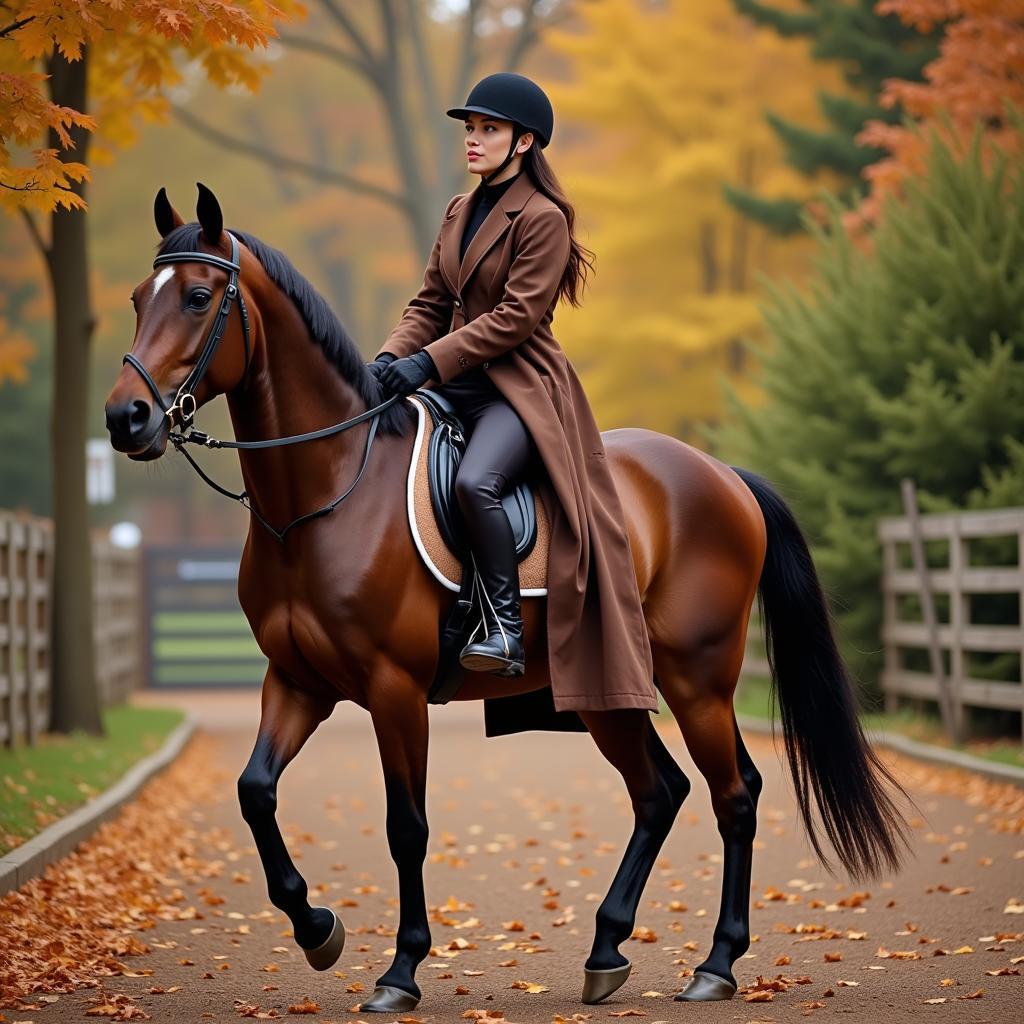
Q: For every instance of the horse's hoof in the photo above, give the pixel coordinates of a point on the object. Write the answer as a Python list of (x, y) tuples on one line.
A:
[(598, 985), (326, 954), (388, 999), (705, 988)]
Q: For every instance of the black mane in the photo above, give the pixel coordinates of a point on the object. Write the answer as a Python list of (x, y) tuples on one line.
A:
[(324, 327)]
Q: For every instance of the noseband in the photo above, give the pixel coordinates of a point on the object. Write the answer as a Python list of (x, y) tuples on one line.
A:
[(184, 403)]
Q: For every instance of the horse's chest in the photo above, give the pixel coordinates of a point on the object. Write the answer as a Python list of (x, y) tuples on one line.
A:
[(299, 626)]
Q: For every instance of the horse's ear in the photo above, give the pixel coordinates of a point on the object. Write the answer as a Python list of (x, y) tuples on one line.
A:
[(208, 214), (165, 215)]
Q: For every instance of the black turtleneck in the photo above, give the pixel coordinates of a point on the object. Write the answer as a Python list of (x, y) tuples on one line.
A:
[(487, 198)]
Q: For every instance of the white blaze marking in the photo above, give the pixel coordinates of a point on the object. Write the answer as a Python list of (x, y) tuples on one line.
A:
[(164, 276)]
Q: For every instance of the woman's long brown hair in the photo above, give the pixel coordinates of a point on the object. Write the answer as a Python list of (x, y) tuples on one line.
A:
[(581, 259)]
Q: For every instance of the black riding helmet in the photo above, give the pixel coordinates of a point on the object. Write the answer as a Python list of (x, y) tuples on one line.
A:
[(515, 98)]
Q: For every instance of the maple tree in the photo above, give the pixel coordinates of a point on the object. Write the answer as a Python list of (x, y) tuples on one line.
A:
[(105, 65), (979, 72)]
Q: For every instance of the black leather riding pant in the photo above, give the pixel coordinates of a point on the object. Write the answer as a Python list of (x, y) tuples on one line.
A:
[(499, 453)]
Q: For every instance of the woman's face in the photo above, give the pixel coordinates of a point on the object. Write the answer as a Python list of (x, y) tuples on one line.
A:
[(487, 142)]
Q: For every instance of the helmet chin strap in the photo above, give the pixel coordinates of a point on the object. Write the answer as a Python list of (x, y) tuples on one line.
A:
[(517, 134)]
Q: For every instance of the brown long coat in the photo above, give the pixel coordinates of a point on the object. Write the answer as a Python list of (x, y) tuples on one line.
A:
[(494, 309)]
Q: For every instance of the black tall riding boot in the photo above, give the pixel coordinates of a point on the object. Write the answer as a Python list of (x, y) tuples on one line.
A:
[(497, 579)]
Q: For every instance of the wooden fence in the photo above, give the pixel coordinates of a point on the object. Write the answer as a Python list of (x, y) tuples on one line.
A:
[(26, 565), (956, 644)]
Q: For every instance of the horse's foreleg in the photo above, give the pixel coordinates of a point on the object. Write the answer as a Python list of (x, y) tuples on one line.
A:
[(399, 711), (657, 788), (289, 717)]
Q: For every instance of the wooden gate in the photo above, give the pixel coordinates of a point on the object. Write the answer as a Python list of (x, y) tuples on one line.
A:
[(197, 633)]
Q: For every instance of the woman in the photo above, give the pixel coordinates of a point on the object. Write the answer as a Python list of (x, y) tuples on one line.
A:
[(480, 328)]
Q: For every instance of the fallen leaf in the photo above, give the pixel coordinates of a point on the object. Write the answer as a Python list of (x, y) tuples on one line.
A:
[(529, 986), (306, 1006)]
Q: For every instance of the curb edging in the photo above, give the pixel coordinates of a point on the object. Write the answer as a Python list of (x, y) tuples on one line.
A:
[(921, 751), (30, 859)]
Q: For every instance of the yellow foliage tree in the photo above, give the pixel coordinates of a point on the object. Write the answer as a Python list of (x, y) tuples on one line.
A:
[(673, 96)]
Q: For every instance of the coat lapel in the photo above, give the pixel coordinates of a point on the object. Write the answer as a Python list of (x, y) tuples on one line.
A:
[(493, 228)]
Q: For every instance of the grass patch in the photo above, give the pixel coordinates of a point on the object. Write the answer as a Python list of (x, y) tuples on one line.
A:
[(42, 783), (752, 699)]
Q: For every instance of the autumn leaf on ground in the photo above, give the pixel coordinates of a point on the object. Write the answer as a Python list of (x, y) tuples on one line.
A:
[(306, 1006), (529, 986), (627, 1013)]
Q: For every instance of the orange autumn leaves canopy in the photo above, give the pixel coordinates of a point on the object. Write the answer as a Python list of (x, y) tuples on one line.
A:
[(134, 47), (980, 67)]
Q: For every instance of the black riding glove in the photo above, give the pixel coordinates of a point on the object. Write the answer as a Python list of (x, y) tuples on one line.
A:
[(404, 376), (377, 366)]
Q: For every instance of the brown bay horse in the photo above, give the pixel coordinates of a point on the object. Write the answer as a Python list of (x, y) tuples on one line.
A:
[(344, 609)]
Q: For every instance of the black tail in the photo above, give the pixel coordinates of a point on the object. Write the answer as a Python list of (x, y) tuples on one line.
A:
[(828, 753)]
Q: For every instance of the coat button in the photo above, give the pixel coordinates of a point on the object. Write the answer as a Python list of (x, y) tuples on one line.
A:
[(458, 303), (486, 365)]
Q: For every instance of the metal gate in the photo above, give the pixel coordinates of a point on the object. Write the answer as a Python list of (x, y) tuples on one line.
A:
[(197, 633)]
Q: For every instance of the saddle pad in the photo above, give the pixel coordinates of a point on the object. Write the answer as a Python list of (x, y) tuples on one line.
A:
[(437, 556)]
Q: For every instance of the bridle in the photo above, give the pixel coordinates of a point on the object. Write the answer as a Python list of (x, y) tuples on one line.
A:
[(184, 404)]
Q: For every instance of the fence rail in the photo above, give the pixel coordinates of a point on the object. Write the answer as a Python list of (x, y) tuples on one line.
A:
[(26, 568), (954, 637)]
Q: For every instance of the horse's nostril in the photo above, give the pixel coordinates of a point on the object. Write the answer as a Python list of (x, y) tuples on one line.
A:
[(139, 415)]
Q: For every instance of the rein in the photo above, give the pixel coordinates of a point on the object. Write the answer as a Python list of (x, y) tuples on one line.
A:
[(184, 404)]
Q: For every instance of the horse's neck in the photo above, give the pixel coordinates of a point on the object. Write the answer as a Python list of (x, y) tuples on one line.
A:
[(293, 389)]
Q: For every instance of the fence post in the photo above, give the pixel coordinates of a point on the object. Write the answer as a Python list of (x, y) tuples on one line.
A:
[(949, 715), (8, 575), (890, 605)]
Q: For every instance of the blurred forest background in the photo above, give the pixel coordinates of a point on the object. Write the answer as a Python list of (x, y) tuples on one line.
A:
[(808, 217)]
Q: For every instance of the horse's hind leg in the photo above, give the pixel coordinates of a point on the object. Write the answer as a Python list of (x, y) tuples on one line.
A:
[(701, 701), (289, 718), (657, 788)]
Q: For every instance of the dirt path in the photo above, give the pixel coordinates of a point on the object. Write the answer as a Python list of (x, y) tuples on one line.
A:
[(526, 833)]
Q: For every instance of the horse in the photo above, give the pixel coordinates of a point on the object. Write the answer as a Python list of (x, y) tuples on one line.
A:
[(344, 609)]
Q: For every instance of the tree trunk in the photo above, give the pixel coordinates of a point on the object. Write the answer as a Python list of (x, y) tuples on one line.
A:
[(75, 694)]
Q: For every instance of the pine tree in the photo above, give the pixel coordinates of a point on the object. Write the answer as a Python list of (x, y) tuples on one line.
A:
[(870, 48), (906, 360)]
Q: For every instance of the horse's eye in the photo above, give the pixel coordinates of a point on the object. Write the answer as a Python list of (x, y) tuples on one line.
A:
[(198, 300)]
